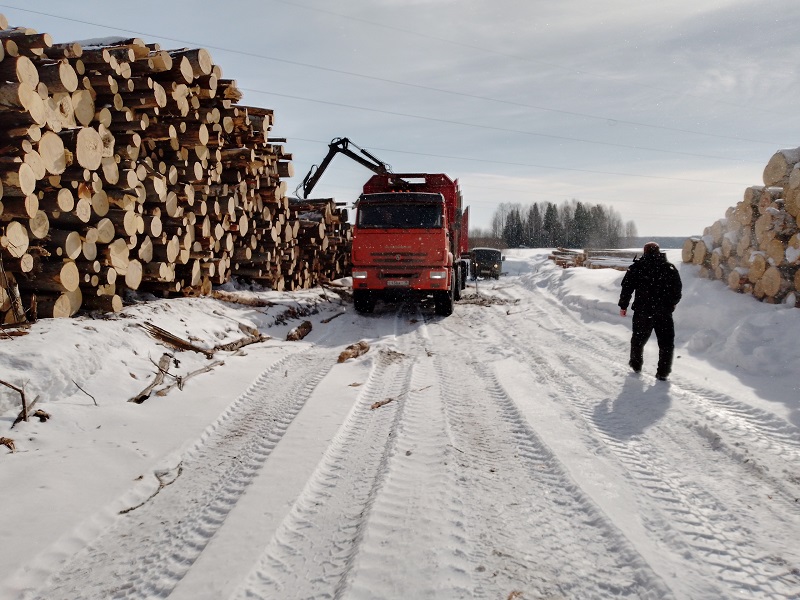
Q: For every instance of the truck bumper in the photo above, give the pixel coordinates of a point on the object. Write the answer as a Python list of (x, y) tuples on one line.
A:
[(424, 280)]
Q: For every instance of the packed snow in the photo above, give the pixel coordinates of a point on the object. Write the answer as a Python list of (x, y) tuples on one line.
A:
[(506, 451)]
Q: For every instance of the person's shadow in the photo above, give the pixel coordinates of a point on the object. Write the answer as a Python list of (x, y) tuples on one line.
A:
[(640, 404)]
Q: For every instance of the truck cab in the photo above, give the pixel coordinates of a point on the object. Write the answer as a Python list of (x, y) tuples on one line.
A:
[(400, 250)]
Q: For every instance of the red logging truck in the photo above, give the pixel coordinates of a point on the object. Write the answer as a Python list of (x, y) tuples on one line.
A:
[(409, 235)]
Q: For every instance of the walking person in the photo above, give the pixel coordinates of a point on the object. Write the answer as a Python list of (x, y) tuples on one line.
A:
[(656, 284)]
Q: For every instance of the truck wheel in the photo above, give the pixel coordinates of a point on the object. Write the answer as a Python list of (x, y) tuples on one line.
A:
[(363, 301), (443, 303), (457, 284)]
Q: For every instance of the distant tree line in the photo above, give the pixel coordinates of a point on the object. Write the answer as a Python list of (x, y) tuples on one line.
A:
[(571, 224)]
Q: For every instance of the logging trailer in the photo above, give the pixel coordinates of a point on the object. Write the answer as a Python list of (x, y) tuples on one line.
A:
[(409, 235)]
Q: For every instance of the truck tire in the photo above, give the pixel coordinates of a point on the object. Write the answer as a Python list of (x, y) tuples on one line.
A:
[(363, 301), (443, 303), (457, 283)]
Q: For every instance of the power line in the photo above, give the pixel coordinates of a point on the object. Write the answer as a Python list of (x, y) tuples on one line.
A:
[(489, 127), (570, 70), (537, 166), (408, 84)]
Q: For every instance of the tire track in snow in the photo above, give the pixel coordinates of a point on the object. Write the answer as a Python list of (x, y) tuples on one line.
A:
[(346, 529), (530, 545), (147, 552), (757, 428), (414, 539), (330, 545), (730, 426), (708, 530)]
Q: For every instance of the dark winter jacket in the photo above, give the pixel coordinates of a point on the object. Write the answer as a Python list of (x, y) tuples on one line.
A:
[(655, 281)]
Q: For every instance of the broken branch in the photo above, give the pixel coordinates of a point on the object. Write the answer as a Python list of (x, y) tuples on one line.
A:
[(179, 381), (85, 392), (163, 365), (161, 485), (22, 395)]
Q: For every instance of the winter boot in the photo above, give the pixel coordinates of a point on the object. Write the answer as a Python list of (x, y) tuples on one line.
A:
[(664, 363), (637, 358), (636, 361)]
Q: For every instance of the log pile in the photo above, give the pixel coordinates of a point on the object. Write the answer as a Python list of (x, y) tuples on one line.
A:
[(755, 248), (612, 258), (124, 166)]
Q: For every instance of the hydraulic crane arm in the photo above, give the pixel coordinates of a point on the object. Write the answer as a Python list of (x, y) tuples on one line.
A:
[(342, 145)]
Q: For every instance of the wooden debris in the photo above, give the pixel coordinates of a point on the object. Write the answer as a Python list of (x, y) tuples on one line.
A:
[(238, 299), (41, 415), (162, 483), (253, 339), (381, 403), (594, 258), (173, 340), (8, 443), (163, 365), (299, 332), (331, 318), (181, 380), (24, 413), (354, 351), (10, 333), (85, 392)]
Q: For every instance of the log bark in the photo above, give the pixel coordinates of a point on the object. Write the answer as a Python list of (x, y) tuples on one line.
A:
[(59, 77), (58, 276), (19, 69), (18, 179)]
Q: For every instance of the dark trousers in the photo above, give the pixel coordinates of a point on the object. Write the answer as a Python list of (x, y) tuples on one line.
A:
[(643, 326)]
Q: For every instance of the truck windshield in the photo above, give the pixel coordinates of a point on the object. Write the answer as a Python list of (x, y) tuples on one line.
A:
[(385, 215), (486, 256)]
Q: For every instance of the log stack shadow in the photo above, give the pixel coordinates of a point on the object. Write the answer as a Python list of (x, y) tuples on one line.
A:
[(128, 167)]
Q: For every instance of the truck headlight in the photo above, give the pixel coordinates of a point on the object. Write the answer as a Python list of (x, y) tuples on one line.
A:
[(438, 274), (359, 274)]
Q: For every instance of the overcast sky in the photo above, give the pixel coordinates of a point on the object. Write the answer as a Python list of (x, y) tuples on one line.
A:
[(664, 111)]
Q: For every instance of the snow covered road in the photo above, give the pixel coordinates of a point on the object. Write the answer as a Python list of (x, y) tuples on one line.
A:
[(503, 452)]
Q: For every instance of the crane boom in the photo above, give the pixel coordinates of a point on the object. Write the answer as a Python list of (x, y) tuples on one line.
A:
[(337, 146)]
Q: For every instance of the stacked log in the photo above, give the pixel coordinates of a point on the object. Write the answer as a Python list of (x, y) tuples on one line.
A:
[(755, 248), (125, 167)]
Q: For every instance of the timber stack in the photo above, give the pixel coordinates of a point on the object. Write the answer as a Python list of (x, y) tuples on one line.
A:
[(755, 248), (124, 167)]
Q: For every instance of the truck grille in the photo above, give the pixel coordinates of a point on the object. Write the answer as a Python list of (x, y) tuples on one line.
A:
[(398, 257), (404, 275)]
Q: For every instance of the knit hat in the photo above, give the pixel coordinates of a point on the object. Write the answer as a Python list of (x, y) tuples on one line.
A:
[(651, 249)]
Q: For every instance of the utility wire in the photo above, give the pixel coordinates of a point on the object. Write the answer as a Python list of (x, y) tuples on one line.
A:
[(537, 166), (405, 83), (489, 127), (570, 70)]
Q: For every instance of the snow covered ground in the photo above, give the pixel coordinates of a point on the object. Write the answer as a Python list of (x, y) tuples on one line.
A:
[(504, 452)]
